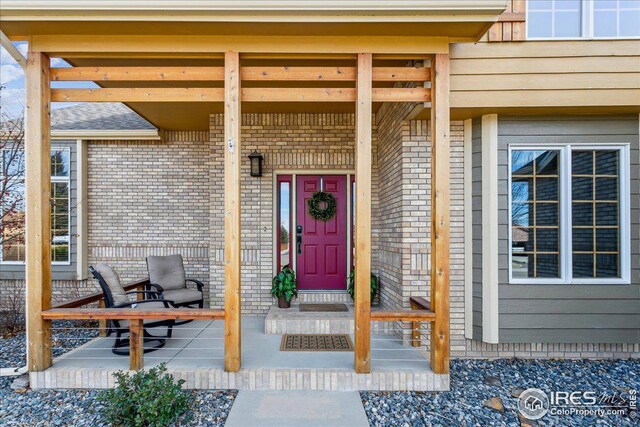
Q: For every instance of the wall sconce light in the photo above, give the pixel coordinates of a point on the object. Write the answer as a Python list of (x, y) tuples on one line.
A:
[(256, 163)]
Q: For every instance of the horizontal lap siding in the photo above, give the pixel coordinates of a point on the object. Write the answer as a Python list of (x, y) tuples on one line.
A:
[(569, 313), (546, 74)]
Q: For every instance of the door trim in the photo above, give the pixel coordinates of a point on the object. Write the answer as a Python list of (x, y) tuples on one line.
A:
[(274, 197)]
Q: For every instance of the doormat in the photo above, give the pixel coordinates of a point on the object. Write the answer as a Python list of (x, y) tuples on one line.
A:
[(303, 342), (323, 307)]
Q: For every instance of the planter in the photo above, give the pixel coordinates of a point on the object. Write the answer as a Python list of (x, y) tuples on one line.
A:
[(283, 303)]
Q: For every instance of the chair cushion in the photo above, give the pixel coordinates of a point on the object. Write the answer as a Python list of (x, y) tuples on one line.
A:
[(181, 296), (167, 271), (112, 280)]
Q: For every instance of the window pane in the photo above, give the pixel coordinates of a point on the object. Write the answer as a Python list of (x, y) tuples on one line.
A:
[(60, 162), (607, 214), (522, 265), (60, 222), (547, 240), (540, 24), (606, 239), (582, 188), (582, 213), (540, 5), (547, 266), (582, 266), (285, 226), (604, 24), (535, 216), (582, 239), (607, 162), (607, 265), (547, 214), (547, 188), (582, 162), (12, 225), (595, 220), (630, 23), (567, 24)]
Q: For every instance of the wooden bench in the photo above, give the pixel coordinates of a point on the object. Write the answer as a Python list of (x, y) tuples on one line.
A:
[(418, 303)]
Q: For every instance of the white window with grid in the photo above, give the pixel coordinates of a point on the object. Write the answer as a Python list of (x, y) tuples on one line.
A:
[(569, 214), (589, 19)]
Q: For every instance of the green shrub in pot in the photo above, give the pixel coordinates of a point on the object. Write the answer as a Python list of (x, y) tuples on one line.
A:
[(285, 287), (351, 285)]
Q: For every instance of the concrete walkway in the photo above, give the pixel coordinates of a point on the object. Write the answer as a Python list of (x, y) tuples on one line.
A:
[(296, 409)]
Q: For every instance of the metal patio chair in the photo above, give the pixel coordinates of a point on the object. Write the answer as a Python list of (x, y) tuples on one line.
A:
[(167, 276), (116, 297)]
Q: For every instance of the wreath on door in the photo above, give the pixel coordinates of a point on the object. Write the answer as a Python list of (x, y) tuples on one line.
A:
[(322, 206)]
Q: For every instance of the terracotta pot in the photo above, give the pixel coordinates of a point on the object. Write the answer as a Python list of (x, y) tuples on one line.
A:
[(283, 303)]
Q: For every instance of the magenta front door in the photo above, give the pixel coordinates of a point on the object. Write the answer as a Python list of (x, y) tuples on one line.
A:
[(321, 256)]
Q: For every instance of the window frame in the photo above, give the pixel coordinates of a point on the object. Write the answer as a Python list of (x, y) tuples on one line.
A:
[(587, 27), (280, 179), (565, 213), (56, 179)]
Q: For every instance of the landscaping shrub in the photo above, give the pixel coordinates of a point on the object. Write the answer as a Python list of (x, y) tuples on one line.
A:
[(148, 398)]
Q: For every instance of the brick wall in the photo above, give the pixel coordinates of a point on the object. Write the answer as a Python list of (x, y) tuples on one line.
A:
[(149, 198), (404, 165), (287, 142)]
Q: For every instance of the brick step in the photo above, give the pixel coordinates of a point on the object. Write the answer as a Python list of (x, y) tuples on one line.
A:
[(292, 321)]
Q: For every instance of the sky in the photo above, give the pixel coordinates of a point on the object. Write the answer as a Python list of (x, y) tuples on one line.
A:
[(12, 97)]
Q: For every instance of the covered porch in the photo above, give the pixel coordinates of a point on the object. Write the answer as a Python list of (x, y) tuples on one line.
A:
[(261, 77)]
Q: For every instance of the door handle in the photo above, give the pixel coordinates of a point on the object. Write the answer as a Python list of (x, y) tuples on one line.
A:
[(299, 239)]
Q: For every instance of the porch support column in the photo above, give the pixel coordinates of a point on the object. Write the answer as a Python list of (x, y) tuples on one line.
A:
[(362, 301), (232, 148), (38, 211), (440, 174)]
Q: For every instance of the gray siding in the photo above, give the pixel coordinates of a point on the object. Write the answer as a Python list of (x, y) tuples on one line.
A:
[(568, 313), (476, 221), (59, 272)]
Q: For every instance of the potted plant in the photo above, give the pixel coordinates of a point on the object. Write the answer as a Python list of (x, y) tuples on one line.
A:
[(284, 287), (351, 285)]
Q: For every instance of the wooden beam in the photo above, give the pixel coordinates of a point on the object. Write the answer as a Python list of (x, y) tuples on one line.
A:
[(12, 50), (130, 74), (402, 315), (174, 73), (232, 147), (171, 46), (133, 314), (136, 345), (138, 95), (248, 95), (38, 211), (440, 175), (362, 301), (415, 94)]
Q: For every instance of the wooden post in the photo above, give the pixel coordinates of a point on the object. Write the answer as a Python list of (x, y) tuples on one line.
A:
[(362, 309), (38, 211), (102, 323), (415, 328), (232, 155), (136, 345), (440, 213)]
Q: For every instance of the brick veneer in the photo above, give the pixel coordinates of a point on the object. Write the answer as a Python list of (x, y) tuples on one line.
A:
[(151, 197)]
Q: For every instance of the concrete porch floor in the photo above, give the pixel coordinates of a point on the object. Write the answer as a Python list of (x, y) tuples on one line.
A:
[(196, 354)]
